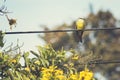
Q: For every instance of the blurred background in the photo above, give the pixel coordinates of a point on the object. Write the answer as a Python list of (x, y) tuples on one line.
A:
[(60, 15)]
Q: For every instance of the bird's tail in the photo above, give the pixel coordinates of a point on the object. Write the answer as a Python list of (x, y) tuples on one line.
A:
[(79, 34)]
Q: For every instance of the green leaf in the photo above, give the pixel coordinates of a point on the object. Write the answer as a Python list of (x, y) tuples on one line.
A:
[(26, 54), (17, 57)]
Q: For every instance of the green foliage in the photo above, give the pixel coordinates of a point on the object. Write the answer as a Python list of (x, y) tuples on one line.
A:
[(48, 56), (1, 39), (47, 63)]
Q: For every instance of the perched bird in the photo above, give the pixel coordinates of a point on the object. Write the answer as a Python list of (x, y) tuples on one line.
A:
[(11, 21), (80, 25)]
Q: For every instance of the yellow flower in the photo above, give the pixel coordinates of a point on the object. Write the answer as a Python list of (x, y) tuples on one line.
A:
[(60, 77), (66, 65), (47, 75), (27, 69), (37, 62), (44, 78), (52, 68), (45, 70), (58, 72), (13, 61), (86, 75), (75, 57), (73, 77)]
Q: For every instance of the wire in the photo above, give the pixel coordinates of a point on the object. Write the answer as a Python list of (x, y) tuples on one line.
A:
[(50, 31), (104, 62)]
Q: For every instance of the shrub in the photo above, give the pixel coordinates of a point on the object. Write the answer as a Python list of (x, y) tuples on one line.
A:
[(47, 64)]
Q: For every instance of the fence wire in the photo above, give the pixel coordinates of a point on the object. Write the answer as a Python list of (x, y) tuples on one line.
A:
[(51, 31), (104, 62)]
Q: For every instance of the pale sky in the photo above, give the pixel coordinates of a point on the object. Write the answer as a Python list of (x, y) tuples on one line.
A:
[(30, 14)]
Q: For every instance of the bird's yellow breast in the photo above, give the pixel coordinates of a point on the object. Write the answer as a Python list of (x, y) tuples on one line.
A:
[(80, 24)]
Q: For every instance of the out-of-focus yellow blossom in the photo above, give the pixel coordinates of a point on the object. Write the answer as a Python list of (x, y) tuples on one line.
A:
[(13, 61), (75, 57), (37, 62), (47, 75), (52, 68), (58, 72), (52, 73), (43, 68), (73, 77), (44, 78), (86, 75), (66, 65), (27, 69), (60, 77)]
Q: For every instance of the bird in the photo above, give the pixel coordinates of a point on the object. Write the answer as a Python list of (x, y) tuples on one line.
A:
[(11, 21), (80, 25)]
